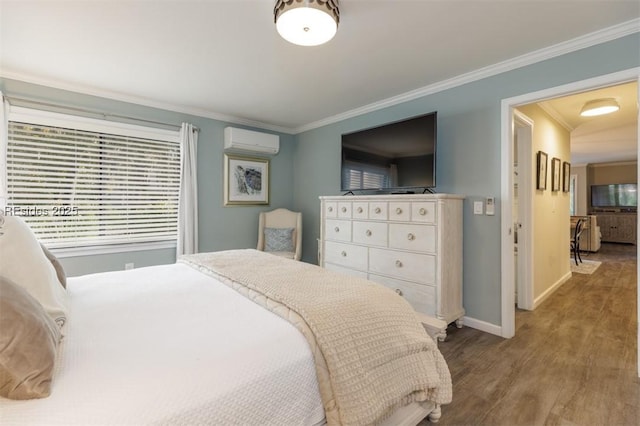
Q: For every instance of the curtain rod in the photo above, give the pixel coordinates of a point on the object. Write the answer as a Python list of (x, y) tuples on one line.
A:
[(100, 113)]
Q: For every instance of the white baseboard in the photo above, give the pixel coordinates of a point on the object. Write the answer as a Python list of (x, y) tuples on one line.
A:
[(482, 326), (487, 327), (548, 292)]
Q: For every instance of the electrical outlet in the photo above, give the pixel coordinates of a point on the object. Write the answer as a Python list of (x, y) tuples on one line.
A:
[(128, 266)]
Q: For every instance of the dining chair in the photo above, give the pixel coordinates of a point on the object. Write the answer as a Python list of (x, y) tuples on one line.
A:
[(575, 240)]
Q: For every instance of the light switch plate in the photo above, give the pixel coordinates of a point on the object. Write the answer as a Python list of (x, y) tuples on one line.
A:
[(478, 207), (491, 206)]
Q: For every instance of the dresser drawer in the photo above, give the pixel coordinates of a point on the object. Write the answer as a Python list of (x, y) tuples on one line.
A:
[(409, 266), (346, 255), (344, 270), (331, 209), (378, 210), (344, 210), (370, 233), (338, 230), (360, 210), (412, 237), (421, 297), (423, 212), (400, 211)]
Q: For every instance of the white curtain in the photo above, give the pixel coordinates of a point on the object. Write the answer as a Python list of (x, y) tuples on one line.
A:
[(4, 141), (188, 204)]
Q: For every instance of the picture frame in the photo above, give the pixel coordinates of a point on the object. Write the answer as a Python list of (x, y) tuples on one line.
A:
[(556, 174), (566, 176), (246, 180), (541, 170)]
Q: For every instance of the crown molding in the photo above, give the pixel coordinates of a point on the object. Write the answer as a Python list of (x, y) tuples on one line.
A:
[(587, 40), (614, 163), (116, 96), (553, 113)]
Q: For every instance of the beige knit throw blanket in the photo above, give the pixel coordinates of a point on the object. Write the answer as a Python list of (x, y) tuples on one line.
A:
[(371, 353)]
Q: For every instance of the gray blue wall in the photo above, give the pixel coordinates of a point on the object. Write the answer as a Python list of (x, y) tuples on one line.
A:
[(468, 162), (219, 227), (468, 155)]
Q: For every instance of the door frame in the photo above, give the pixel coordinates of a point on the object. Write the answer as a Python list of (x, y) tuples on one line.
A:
[(506, 120), (525, 217)]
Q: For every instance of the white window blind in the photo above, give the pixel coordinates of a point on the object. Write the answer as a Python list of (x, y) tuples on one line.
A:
[(364, 176), (82, 182)]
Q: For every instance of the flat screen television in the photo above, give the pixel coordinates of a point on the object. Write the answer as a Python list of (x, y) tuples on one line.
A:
[(622, 195), (395, 157)]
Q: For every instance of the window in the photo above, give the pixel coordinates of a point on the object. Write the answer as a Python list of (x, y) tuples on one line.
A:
[(365, 176), (81, 182)]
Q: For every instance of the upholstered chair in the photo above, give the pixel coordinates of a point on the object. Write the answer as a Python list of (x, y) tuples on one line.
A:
[(280, 233)]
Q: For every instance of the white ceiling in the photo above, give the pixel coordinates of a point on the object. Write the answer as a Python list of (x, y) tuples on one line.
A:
[(602, 139), (224, 59)]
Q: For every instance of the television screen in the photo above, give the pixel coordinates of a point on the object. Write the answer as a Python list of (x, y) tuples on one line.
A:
[(394, 156), (614, 195)]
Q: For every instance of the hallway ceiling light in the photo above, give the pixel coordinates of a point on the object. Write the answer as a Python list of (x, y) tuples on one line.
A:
[(599, 107), (307, 22)]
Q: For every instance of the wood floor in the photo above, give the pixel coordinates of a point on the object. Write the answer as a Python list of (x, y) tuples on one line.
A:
[(571, 362)]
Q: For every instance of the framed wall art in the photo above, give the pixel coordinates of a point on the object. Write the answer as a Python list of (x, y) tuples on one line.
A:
[(246, 180), (566, 177), (556, 174), (541, 170)]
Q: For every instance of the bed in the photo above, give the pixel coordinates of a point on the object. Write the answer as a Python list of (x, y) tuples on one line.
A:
[(189, 344)]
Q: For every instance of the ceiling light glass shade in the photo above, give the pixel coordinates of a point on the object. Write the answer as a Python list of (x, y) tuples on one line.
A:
[(599, 107), (307, 22)]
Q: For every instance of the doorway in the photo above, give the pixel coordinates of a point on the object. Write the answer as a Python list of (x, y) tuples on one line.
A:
[(508, 267), (522, 214)]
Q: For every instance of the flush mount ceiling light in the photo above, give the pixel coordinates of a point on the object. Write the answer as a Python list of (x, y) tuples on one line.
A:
[(307, 22), (599, 107)]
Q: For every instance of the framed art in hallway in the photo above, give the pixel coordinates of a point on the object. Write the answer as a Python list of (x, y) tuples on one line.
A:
[(246, 180), (555, 174), (541, 170), (566, 177)]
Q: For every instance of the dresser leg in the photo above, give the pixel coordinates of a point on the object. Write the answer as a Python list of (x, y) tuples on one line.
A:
[(435, 415), (435, 327), (459, 323)]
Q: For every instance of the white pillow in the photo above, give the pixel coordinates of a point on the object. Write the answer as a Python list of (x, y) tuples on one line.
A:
[(23, 262)]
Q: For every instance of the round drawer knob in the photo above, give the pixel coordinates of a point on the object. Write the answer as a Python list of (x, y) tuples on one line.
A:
[(398, 264), (398, 210), (368, 233), (399, 291), (330, 209), (422, 211), (411, 237), (359, 209), (377, 210), (344, 254), (336, 229), (344, 210)]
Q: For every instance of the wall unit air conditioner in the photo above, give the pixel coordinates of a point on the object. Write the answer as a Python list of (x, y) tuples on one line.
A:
[(249, 141)]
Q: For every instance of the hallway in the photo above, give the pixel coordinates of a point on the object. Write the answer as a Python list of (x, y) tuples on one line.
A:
[(571, 362)]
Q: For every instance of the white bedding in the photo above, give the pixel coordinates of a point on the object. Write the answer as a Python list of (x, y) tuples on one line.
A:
[(170, 345)]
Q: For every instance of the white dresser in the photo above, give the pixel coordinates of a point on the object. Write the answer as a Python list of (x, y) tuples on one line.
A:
[(410, 243)]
